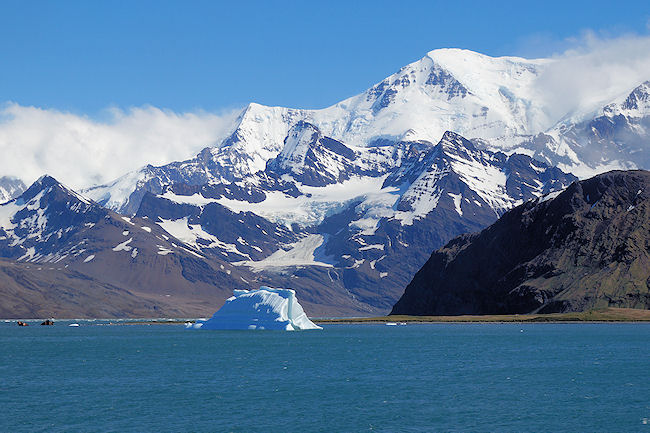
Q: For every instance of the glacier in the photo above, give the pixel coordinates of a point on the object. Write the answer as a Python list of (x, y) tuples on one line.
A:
[(264, 309)]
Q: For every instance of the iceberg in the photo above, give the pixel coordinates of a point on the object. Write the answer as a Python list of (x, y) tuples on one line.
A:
[(266, 308)]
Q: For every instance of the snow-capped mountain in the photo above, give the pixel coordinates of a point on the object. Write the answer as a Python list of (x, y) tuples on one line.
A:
[(63, 255), (341, 220), (10, 187), (51, 235), (346, 227), (345, 203), (617, 136), (499, 103)]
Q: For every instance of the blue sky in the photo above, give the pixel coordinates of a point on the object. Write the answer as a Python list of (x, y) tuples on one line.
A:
[(84, 56)]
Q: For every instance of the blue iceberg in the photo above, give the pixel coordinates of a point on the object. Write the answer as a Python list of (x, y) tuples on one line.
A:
[(266, 308)]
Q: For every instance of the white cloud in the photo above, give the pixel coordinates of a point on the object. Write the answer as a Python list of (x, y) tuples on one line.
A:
[(594, 71), (80, 151)]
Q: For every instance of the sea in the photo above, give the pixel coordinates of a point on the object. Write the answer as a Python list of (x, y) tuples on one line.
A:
[(455, 377)]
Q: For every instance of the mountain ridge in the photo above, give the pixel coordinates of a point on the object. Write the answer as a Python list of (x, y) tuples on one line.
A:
[(365, 235), (495, 101)]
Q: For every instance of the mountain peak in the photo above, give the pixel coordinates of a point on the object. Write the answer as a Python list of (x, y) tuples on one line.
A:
[(444, 55), (42, 183), (313, 159), (452, 142), (46, 180), (47, 183), (639, 98), (302, 136)]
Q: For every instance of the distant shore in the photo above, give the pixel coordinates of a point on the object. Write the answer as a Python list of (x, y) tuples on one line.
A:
[(600, 315)]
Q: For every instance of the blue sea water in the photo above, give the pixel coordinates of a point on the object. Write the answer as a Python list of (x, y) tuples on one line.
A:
[(346, 378)]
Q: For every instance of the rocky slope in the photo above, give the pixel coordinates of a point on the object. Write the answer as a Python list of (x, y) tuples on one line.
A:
[(331, 217), (65, 254), (10, 187), (586, 247)]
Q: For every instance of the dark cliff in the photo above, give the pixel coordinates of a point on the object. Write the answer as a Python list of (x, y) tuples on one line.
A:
[(588, 247)]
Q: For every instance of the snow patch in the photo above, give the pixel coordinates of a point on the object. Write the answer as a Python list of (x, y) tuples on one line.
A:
[(194, 235), (195, 199), (374, 246), (163, 251), (456, 198), (124, 246), (302, 253), (549, 196)]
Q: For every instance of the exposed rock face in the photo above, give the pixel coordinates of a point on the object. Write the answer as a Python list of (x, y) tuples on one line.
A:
[(587, 247), (359, 243), (62, 255), (10, 187)]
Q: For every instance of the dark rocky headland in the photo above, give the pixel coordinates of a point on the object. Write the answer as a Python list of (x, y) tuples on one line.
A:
[(587, 248)]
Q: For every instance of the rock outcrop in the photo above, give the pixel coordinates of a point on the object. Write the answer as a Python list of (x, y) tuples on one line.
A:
[(586, 247)]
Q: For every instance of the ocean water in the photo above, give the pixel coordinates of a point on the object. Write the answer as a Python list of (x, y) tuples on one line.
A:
[(346, 378)]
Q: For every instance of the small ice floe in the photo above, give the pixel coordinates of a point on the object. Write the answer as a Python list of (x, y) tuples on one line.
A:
[(74, 325), (263, 309)]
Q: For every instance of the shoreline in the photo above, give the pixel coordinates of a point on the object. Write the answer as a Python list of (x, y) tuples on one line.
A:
[(605, 315)]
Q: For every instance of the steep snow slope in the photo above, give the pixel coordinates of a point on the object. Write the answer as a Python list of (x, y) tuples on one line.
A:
[(459, 90)]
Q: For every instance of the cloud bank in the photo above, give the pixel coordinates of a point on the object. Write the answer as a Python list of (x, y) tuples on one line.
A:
[(592, 72), (81, 152)]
